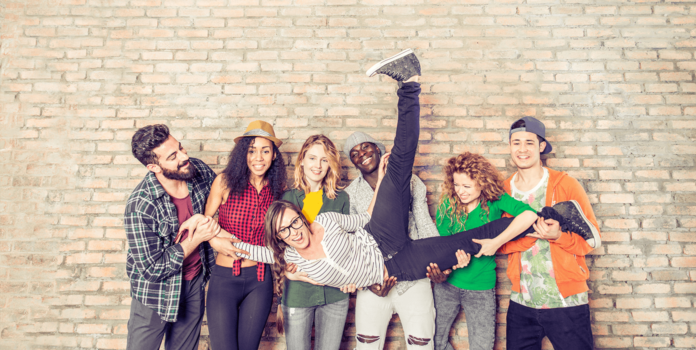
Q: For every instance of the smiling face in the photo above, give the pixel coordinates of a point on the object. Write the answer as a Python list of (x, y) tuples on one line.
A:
[(467, 190), (525, 149), (260, 156), (315, 165), (298, 238), (172, 161), (365, 157)]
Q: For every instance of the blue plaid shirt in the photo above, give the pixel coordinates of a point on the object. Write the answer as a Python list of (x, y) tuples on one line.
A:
[(154, 263)]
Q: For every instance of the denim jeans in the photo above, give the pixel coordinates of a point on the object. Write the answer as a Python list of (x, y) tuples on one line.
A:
[(146, 329), (479, 310), (568, 328), (328, 320)]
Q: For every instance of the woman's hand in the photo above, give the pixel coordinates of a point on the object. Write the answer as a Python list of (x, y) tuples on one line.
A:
[(291, 268), (224, 246), (302, 277), (463, 259), (488, 247), (349, 288)]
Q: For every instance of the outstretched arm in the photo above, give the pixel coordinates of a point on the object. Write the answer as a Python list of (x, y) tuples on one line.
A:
[(518, 225)]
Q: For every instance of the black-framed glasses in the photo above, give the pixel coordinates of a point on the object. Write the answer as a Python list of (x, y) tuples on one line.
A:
[(296, 224)]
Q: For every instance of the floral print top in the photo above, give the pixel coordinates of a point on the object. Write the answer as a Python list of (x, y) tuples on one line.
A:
[(537, 281)]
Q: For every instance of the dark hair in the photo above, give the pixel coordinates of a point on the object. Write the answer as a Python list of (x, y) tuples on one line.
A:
[(146, 139), (273, 216), (236, 173), (521, 124)]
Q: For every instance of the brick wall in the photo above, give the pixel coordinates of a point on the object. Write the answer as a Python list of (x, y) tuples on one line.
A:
[(612, 80)]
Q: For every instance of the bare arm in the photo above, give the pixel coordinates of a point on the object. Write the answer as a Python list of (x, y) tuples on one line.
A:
[(517, 226)]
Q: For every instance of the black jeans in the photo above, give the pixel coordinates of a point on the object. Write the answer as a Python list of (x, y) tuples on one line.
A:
[(568, 328), (238, 307), (407, 259), (411, 262)]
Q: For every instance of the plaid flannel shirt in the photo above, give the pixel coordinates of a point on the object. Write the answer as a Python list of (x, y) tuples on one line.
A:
[(154, 263)]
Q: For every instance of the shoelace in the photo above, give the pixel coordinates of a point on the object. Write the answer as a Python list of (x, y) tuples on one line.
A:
[(396, 75)]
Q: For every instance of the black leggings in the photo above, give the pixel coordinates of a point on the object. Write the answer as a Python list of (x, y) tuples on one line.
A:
[(407, 259), (238, 307)]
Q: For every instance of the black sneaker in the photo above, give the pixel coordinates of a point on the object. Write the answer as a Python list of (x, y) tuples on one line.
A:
[(399, 67), (576, 222)]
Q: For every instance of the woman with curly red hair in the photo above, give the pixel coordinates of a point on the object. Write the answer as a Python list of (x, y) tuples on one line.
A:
[(473, 195)]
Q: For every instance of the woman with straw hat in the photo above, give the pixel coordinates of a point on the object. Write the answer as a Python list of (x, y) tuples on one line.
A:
[(240, 293)]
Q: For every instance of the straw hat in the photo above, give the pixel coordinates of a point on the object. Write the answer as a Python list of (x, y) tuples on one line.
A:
[(259, 128)]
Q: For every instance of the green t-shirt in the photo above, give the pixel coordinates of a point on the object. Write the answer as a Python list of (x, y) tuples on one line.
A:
[(480, 273)]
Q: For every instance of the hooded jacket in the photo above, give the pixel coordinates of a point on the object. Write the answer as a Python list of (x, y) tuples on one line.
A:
[(568, 251)]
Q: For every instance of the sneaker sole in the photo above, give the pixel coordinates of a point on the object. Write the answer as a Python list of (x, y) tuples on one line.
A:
[(373, 69), (595, 233)]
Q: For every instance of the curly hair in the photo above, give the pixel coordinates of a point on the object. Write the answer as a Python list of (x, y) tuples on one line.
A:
[(145, 140), (236, 173), (275, 215), (331, 182), (481, 171)]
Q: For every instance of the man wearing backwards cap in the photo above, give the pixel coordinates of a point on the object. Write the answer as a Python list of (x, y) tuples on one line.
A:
[(547, 269), (412, 300)]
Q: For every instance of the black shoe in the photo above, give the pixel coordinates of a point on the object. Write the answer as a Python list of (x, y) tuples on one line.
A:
[(575, 221), (399, 67)]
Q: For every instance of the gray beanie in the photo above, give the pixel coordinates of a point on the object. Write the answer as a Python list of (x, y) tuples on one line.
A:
[(359, 137)]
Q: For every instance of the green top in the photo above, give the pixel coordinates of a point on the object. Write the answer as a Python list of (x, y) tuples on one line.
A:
[(303, 294), (480, 273)]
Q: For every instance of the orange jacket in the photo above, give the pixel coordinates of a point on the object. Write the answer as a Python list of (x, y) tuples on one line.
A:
[(568, 251)]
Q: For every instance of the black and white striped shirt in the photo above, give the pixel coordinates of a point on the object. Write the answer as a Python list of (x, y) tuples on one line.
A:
[(352, 255)]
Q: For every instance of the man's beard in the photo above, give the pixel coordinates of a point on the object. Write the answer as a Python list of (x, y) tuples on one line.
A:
[(178, 175)]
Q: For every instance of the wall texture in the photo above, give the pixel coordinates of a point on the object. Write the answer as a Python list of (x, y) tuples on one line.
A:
[(612, 80)]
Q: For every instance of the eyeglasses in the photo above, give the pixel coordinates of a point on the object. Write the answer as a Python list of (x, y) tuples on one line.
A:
[(296, 224)]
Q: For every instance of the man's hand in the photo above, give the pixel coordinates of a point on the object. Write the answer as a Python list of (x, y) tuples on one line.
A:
[(435, 274), (488, 247), (548, 229), (381, 290), (224, 246), (302, 277), (204, 231), (191, 224), (383, 166), (463, 259)]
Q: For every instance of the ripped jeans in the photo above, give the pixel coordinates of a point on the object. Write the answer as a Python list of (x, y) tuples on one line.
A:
[(416, 311), (329, 321)]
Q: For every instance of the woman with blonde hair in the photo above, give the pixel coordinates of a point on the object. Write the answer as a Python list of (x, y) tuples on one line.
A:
[(316, 190), (472, 196)]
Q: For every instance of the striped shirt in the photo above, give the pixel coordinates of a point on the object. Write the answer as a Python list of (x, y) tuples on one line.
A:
[(352, 255), (420, 224)]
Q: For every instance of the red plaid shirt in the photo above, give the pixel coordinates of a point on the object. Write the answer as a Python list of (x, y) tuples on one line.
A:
[(243, 216)]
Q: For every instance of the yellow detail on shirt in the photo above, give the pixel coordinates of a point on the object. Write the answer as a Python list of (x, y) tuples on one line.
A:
[(312, 204)]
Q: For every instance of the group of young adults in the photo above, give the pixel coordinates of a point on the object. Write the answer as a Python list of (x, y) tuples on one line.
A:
[(317, 241)]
